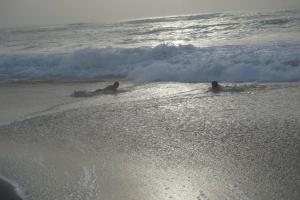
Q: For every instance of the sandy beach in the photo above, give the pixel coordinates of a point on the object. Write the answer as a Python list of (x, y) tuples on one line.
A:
[(154, 141)]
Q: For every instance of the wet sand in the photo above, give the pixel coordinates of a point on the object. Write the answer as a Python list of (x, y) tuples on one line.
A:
[(21, 100), (7, 191), (161, 141)]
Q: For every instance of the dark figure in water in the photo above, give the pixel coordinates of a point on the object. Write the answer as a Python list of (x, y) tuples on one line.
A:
[(215, 86), (113, 87), (108, 89)]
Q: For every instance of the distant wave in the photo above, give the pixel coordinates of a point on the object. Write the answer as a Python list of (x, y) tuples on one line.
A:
[(276, 21), (203, 28), (175, 18), (186, 63)]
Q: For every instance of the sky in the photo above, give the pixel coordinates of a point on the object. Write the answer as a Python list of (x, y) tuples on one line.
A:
[(48, 12)]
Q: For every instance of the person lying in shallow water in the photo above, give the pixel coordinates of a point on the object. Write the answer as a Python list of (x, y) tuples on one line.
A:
[(113, 87), (216, 87), (108, 89)]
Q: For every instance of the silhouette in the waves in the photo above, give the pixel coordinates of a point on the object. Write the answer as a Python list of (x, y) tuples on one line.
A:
[(107, 90), (215, 86)]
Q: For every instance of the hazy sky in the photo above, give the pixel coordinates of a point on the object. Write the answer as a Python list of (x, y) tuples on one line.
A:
[(43, 12)]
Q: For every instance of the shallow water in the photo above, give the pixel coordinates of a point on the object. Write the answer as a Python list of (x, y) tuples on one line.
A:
[(161, 141)]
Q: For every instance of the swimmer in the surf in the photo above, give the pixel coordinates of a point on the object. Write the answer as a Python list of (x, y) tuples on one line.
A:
[(108, 89), (215, 86)]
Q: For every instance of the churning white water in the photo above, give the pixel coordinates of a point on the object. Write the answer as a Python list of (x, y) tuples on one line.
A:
[(261, 46)]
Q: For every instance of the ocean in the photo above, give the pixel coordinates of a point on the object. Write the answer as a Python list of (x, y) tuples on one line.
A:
[(253, 46), (164, 134)]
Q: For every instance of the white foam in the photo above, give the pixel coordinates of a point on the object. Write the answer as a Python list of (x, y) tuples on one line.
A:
[(185, 63)]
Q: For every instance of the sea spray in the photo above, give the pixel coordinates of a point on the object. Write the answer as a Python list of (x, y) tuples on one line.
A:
[(182, 63)]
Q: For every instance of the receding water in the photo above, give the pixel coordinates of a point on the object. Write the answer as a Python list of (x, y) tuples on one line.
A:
[(161, 141)]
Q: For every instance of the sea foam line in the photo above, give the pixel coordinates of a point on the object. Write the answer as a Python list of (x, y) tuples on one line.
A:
[(184, 63)]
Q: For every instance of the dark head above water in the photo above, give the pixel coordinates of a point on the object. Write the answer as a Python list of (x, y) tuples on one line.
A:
[(215, 84), (116, 84)]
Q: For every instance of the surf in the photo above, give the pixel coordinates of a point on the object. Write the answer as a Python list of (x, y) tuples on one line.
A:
[(181, 63)]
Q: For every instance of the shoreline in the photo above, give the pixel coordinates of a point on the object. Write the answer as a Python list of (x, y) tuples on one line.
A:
[(180, 139), (25, 99), (21, 100), (38, 81)]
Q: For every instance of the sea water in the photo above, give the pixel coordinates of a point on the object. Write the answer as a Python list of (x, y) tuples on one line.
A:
[(251, 46), (165, 135)]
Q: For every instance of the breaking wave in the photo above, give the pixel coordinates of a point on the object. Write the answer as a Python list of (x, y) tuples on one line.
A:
[(185, 63)]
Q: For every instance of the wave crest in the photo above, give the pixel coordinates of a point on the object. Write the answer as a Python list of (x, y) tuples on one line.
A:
[(186, 63)]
